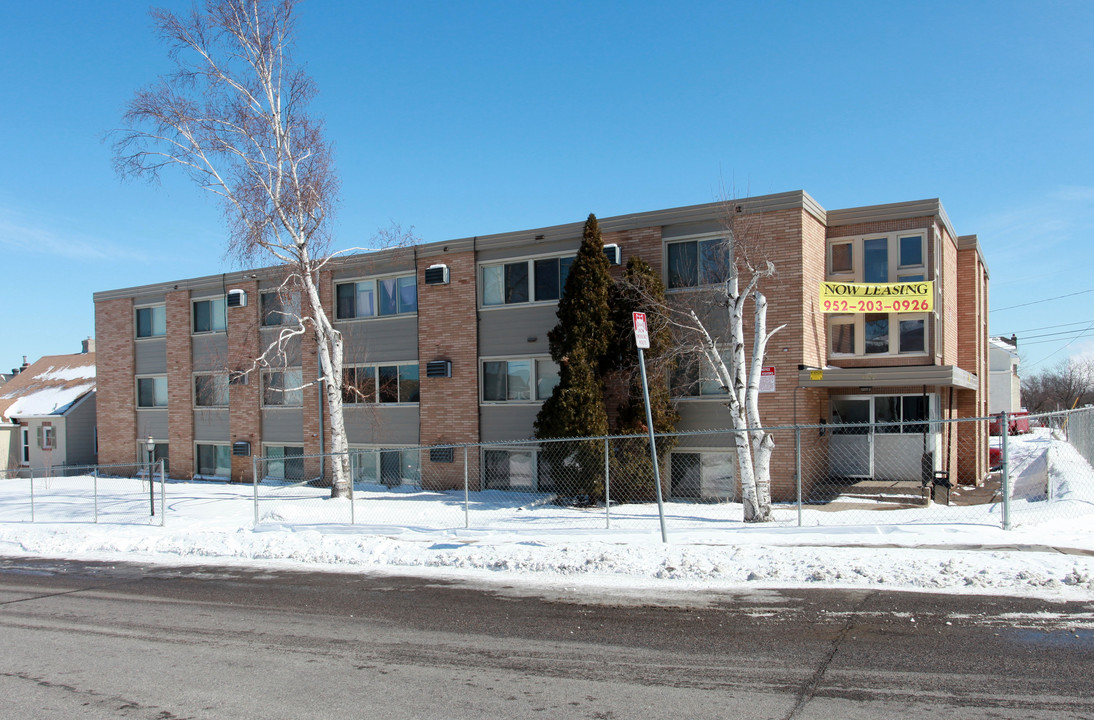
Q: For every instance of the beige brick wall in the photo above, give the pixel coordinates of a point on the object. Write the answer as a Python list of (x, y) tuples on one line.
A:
[(116, 401)]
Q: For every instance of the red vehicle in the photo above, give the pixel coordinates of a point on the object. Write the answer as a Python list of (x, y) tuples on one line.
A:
[(1017, 423)]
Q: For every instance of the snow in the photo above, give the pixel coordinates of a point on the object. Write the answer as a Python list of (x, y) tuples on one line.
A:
[(80, 372), (514, 540), (47, 401)]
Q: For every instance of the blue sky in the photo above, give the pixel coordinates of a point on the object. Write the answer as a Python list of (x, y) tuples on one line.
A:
[(465, 119)]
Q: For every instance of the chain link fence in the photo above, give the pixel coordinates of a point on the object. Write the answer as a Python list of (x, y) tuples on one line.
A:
[(133, 493)]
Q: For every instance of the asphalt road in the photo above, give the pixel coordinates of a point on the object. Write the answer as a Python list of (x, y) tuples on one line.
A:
[(95, 640)]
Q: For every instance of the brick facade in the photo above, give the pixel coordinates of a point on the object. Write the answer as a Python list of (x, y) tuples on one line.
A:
[(180, 383), (115, 369), (245, 400)]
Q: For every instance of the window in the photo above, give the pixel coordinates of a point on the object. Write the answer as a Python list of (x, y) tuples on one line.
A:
[(372, 298), (907, 413), (518, 380), (211, 390), (160, 452), (284, 462), (214, 461), (26, 445), (47, 438), (385, 467), (540, 280), (698, 262), (695, 377), (209, 315), (380, 383), (280, 308), (152, 321), (703, 475), (283, 388), (509, 470), (885, 259), (152, 391)]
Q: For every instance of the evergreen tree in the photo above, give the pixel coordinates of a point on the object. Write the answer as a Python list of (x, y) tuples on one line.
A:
[(578, 344)]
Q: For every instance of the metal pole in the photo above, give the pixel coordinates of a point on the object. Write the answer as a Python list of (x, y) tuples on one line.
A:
[(163, 494), (151, 484), (653, 445), (798, 469), (254, 482), (607, 490), (352, 494), (1005, 430), (32, 495), (466, 501), (95, 488)]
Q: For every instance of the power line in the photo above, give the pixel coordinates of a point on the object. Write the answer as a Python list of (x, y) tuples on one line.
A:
[(1035, 302), (1044, 327), (1064, 347)]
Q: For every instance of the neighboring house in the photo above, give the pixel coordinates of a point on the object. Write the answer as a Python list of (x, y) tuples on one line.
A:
[(1004, 385), (447, 343), (47, 413)]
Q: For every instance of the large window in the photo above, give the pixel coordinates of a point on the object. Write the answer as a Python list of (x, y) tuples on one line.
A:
[(526, 379), (537, 280), (380, 384), (509, 469), (377, 298), (151, 321), (891, 258), (703, 475), (385, 467), (283, 387), (214, 461), (280, 308), (695, 377), (698, 262), (211, 390), (209, 315), (284, 462), (152, 391)]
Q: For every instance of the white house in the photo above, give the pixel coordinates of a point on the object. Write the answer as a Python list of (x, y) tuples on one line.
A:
[(1004, 385)]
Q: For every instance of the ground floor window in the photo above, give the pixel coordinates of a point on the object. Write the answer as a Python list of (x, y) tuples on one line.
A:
[(381, 466), (26, 445), (703, 475), (513, 469), (214, 461), (284, 462)]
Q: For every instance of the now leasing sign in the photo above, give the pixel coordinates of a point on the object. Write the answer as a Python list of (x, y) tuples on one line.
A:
[(911, 297)]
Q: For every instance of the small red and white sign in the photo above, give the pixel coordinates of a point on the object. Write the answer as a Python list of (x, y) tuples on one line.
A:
[(641, 332), (767, 379)]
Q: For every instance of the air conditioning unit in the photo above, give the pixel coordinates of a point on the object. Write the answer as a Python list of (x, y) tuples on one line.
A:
[(436, 275), (442, 455), (237, 298), (241, 448), (438, 368), (615, 257)]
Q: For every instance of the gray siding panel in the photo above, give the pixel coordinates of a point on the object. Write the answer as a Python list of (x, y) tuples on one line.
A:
[(152, 422), (398, 264), (670, 232), (291, 347), (283, 425), (505, 331), (150, 357), (392, 339), (505, 422), (210, 352), (211, 425), (373, 425), (703, 415), (80, 433), (553, 247)]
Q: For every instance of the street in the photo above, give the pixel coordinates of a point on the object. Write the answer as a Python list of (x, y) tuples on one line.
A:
[(98, 640)]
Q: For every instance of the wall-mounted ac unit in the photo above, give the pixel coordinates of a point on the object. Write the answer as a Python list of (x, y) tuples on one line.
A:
[(438, 368), (615, 257), (237, 298), (241, 448), (442, 454), (436, 274)]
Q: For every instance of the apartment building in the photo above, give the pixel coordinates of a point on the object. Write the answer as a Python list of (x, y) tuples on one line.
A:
[(446, 343)]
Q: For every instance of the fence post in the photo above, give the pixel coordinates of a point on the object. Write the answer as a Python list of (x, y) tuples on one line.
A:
[(353, 495), (32, 494), (1005, 432), (798, 469), (254, 482), (466, 509), (163, 494), (607, 490), (95, 489)]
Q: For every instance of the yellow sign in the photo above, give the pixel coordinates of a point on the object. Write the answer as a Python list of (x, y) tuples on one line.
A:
[(816, 375), (912, 297)]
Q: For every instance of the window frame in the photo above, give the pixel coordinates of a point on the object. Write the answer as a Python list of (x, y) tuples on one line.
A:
[(24, 454), (531, 279), (292, 317), (194, 302), (702, 277), (700, 381), (197, 460), (377, 304), (290, 398), (197, 395), (536, 393), (484, 468), (895, 273), (269, 461), (137, 323), (137, 390), (376, 454), (353, 400)]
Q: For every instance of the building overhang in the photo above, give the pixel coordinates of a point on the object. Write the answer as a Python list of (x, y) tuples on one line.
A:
[(880, 377)]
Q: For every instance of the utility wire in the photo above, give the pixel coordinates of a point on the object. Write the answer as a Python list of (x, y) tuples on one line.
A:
[(1035, 302)]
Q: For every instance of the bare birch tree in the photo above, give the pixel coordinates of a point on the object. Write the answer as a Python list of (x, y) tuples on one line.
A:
[(233, 115), (728, 278)]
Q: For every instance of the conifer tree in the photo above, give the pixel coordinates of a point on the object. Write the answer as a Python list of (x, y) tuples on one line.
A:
[(578, 344)]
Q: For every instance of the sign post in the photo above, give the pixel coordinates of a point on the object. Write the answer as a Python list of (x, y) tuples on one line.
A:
[(642, 340)]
